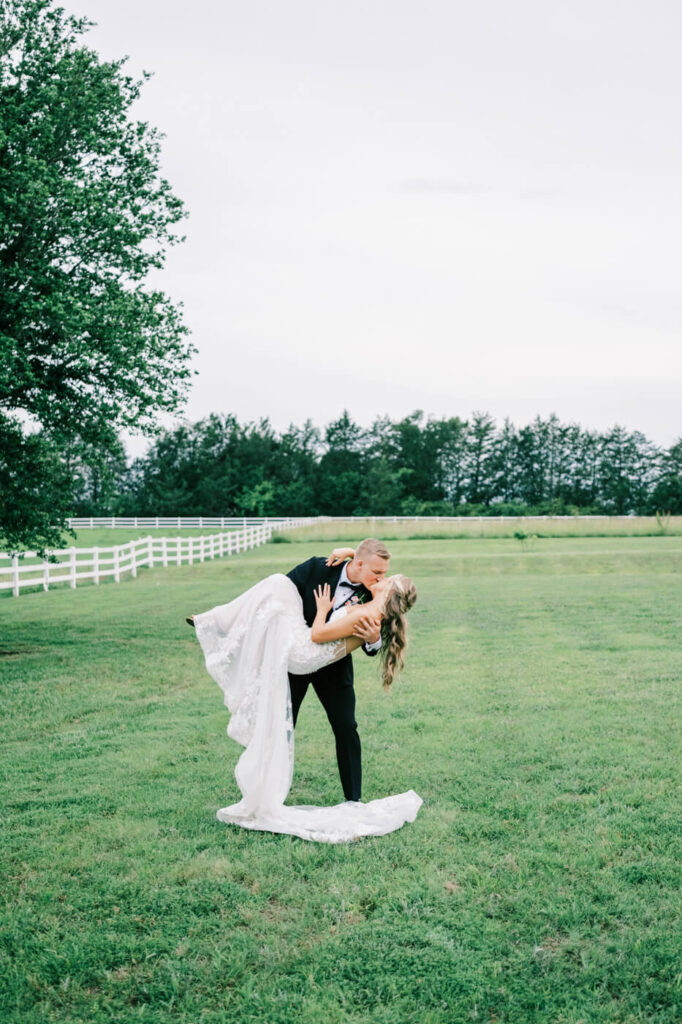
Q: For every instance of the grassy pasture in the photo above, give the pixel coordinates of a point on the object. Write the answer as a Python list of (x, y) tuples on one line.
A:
[(356, 529), (615, 526), (539, 718), (351, 531)]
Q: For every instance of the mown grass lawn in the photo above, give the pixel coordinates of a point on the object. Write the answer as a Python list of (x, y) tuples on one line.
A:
[(539, 718), (551, 526)]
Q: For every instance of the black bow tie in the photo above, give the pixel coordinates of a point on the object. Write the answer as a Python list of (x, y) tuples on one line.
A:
[(353, 586)]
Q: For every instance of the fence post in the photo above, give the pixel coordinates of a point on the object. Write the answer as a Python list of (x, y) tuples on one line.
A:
[(15, 575), (95, 566), (46, 574), (201, 548), (117, 574), (133, 559), (150, 551), (178, 552), (191, 550), (164, 552), (72, 568)]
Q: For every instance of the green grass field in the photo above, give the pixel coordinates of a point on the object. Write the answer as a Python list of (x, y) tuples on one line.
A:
[(539, 719), (356, 529), (424, 529)]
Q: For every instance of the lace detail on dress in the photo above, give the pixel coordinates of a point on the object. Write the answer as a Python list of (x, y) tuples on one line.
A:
[(306, 657)]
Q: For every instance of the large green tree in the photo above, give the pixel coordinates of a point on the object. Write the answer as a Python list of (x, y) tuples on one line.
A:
[(87, 347)]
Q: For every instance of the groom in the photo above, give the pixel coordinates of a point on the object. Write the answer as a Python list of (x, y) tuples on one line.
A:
[(349, 583)]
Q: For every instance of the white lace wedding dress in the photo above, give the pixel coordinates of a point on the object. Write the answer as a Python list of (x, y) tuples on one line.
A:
[(250, 644)]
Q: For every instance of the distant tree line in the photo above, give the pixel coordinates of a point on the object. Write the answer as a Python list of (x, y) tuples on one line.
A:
[(411, 466)]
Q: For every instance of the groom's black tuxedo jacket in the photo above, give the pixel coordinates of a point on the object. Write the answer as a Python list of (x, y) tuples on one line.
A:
[(307, 577)]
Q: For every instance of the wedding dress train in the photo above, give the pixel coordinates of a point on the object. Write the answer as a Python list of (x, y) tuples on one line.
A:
[(250, 645)]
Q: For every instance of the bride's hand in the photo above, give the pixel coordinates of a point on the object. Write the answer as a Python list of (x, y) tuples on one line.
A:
[(323, 598), (340, 555)]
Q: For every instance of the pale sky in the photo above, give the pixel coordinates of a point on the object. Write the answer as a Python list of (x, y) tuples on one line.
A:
[(421, 204)]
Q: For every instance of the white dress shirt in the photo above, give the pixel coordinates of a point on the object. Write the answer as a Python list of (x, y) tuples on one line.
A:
[(344, 590)]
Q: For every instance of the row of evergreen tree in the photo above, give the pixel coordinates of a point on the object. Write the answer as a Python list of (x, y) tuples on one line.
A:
[(411, 466)]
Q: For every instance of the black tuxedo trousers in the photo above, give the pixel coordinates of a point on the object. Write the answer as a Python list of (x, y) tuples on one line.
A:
[(332, 684)]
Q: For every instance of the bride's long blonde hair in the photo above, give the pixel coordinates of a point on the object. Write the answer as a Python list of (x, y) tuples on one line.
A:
[(399, 600)]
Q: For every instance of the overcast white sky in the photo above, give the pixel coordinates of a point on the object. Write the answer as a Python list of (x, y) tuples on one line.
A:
[(421, 204)]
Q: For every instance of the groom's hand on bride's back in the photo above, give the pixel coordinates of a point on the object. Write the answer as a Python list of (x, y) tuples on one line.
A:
[(368, 629)]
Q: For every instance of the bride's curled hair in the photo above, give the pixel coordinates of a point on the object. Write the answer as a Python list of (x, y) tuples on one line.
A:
[(399, 600)]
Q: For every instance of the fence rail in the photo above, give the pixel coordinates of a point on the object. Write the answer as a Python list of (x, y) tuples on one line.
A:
[(187, 522), (281, 523), (80, 564), (460, 519)]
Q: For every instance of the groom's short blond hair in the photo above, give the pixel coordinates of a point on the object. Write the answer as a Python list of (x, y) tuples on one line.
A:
[(371, 546)]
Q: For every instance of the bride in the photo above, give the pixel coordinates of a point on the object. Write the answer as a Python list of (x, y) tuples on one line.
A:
[(250, 645)]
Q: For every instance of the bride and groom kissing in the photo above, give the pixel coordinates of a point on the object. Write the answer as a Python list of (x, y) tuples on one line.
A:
[(268, 646)]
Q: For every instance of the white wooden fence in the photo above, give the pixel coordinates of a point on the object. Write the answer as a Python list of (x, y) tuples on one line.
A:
[(188, 522), (222, 523), (79, 564)]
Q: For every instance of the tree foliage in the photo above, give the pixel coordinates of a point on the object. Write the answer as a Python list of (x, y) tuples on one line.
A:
[(86, 347), (412, 466)]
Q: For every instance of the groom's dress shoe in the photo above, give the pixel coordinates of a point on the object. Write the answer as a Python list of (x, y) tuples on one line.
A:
[(190, 621)]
